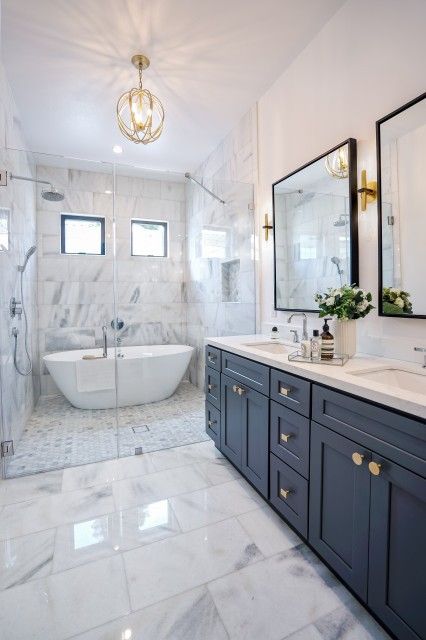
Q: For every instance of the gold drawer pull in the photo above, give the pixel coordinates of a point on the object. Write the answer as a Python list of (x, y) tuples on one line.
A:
[(212, 359), (285, 437), (285, 391), (211, 422), (241, 391), (357, 458), (374, 468), (211, 386), (284, 493), (235, 388)]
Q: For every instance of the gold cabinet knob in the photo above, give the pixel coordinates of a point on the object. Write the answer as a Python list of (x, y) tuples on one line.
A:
[(241, 391), (285, 391), (285, 437), (374, 468), (209, 387), (235, 388), (284, 493), (357, 458)]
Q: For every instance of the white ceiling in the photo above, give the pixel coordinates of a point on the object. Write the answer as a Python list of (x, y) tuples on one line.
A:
[(69, 60)]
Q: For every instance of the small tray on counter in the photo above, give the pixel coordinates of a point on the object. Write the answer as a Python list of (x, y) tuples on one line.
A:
[(338, 360)]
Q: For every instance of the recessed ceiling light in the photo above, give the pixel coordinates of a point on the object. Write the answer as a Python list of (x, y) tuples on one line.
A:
[(117, 149)]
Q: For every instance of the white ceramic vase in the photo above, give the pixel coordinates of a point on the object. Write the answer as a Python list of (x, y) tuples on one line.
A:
[(346, 337)]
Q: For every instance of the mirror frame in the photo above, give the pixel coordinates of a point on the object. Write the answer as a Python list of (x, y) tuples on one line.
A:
[(379, 210), (353, 215)]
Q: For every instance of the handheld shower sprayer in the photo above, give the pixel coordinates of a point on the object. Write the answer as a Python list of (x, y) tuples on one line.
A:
[(20, 310)]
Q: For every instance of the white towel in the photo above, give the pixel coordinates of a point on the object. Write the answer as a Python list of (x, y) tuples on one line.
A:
[(95, 375)]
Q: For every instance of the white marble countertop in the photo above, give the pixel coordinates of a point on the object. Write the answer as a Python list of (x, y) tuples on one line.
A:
[(337, 377)]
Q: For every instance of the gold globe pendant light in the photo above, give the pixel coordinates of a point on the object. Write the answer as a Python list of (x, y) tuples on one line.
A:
[(337, 164), (140, 114)]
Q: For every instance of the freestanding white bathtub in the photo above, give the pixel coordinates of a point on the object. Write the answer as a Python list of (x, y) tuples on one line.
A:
[(143, 374)]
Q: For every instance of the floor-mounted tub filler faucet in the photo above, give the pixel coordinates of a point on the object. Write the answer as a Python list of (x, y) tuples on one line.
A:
[(104, 342), (422, 350), (305, 323)]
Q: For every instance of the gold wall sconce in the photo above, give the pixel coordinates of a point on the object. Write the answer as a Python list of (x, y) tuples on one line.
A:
[(266, 227), (368, 191)]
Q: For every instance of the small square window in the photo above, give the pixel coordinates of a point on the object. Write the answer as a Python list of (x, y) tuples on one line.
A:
[(149, 238), (82, 235), (4, 229)]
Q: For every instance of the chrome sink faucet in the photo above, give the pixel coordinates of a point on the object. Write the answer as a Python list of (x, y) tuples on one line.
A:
[(305, 323), (422, 350), (104, 342)]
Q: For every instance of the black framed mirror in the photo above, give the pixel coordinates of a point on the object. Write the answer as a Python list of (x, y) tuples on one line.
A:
[(315, 220), (401, 170)]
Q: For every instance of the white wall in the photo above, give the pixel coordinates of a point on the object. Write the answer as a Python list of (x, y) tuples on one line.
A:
[(366, 61)]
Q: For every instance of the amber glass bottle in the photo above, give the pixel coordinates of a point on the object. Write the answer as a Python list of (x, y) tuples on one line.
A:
[(327, 342)]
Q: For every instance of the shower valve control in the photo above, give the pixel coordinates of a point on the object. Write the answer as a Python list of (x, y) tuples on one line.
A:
[(3, 178), (15, 308)]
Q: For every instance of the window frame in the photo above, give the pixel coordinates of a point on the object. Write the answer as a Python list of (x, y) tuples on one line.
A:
[(87, 217), (164, 224)]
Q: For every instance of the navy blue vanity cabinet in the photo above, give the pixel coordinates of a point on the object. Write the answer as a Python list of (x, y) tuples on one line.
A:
[(244, 432), (213, 423), (339, 505), (231, 439), (212, 387), (397, 571), (289, 438)]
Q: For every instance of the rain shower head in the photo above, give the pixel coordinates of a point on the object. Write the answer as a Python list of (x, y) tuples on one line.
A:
[(51, 194), (28, 255), (342, 221)]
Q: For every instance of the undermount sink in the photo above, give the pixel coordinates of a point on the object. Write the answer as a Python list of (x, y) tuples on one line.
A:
[(397, 378), (269, 347)]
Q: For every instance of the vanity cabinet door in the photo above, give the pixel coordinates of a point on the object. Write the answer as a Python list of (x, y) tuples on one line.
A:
[(339, 505), (231, 421), (397, 574), (255, 438)]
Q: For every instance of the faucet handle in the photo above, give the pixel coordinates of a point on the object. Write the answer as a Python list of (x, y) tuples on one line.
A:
[(295, 335), (421, 349)]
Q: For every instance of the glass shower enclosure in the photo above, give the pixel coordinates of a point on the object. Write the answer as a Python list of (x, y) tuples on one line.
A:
[(119, 267)]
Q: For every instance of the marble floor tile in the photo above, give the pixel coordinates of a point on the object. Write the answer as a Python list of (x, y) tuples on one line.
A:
[(45, 513), (186, 561), (106, 535), (189, 616), (22, 489), (277, 596), (222, 501), (65, 604), (91, 475), (218, 471), (269, 532), (157, 486), (26, 558), (351, 622), (189, 454)]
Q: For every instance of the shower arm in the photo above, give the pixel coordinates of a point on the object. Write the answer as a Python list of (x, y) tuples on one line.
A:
[(13, 177), (200, 184)]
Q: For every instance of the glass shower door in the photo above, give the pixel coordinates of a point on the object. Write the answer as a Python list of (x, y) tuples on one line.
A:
[(63, 412)]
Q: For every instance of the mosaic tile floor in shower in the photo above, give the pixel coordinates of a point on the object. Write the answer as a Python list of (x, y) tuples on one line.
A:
[(58, 435)]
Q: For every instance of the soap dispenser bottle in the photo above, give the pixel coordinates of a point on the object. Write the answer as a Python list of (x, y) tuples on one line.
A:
[(316, 346), (327, 342), (275, 334)]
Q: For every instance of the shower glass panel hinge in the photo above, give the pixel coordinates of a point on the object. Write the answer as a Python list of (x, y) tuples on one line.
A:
[(7, 449), (3, 178), (391, 221), (250, 206)]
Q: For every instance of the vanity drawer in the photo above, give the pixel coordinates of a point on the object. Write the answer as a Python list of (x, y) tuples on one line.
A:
[(213, 357), (289, 494), (397, 437), (291, 391), (213, 423), (212, 387), (289, 438), (253, 374)]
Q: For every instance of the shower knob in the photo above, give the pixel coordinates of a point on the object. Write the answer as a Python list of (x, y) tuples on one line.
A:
[(117, 324)]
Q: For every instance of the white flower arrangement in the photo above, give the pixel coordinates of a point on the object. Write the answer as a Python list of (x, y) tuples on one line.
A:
[(345, 303)]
